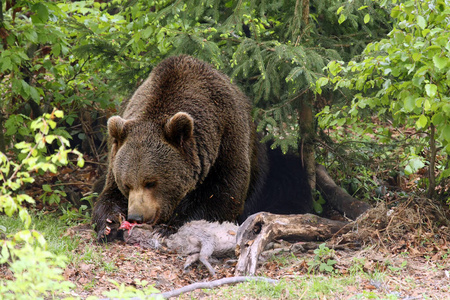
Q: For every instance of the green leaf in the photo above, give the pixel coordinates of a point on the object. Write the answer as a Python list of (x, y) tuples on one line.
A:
[(410, 103), (47, 188), (56, 49), (440, 62), (430, 89), (25, 88), (31, 35), (445, 132), (422, 122), (341, 19), (40, 13), (59, 114), (416, 56), (421, 22), (6, 64), (35, 95), (414, 165), (339, 10), (426, 104), (80, 162), (439, 118), (366, 18)]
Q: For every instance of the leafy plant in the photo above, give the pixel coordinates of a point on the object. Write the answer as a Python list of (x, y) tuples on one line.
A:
[(399, 268), (404, 78), (37, 272), (51, 196), (323, 259), (318, 202), (74, 215)]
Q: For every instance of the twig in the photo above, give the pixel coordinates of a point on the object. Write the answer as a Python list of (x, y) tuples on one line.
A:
[(212, 284), (90, 162), (71, 183)]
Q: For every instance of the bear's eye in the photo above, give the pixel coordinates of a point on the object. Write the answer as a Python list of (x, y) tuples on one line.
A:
[(128, 187), (150, 184)]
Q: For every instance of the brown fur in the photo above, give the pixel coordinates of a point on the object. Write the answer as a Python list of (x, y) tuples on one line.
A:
[(184, 148)]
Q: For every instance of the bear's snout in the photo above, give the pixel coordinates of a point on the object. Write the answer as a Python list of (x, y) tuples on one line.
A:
[(135, 218), (143, 207)]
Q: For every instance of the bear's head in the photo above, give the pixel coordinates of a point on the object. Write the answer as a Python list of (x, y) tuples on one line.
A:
[(154, 165)]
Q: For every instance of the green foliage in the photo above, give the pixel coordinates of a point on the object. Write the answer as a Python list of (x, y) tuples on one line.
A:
[(396, 269), (403, 79), (32, 157), (81, 214), (322, 260), (37, 272), (318, 201), (91, 54), (49, 225)]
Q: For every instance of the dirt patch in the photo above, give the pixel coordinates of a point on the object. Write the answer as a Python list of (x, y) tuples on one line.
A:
[(404, 252)]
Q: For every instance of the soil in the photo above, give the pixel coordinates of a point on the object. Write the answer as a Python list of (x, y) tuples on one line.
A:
[(411, 273), (402, 243)]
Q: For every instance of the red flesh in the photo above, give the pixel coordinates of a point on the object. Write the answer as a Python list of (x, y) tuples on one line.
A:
[(125, 225)]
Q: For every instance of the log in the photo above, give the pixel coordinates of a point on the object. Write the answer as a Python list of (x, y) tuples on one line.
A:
[(261, 228), (338, 198)]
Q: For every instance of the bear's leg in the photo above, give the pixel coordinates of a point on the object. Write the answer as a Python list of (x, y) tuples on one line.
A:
[(107, 210)]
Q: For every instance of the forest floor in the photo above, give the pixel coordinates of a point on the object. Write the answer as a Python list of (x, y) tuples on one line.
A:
[(367, 272), (398, 250)]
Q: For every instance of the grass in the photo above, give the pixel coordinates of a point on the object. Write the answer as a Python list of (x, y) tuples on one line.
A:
[(297, 287), (49, 224), (304, 287), (54, 226)]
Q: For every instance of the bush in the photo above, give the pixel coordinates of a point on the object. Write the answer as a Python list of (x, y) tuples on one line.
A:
[(36, 271)]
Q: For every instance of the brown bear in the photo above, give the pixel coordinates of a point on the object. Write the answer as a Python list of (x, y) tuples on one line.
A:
[(185, 148)]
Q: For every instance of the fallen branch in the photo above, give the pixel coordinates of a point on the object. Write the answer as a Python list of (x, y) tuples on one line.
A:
[(261, 228), (212, 284), (337, 196)]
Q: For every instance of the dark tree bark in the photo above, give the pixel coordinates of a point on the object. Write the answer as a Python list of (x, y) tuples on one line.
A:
[(431, 175), (261, 228), (307, 137), (338, 198), (2, 136), (306, 114)]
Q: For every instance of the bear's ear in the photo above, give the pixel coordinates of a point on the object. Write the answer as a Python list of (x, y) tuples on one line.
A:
[(118, 128), (179, 129)]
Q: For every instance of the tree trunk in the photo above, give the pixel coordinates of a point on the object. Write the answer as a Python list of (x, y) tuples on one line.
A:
[(338, 198), (2, 136), (305, 15), (261, 228), (307, 137), (306, 115), (431, 175)]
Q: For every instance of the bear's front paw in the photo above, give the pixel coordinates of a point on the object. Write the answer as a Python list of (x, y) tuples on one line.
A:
[(108, 229)]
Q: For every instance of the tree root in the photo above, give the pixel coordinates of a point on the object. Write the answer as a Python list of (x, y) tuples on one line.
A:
[(261, 228)]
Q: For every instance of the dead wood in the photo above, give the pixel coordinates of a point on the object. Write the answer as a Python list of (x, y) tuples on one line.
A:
[(212, 284), (338, 198), (261, 228)]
